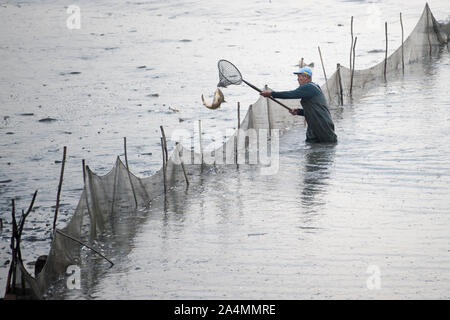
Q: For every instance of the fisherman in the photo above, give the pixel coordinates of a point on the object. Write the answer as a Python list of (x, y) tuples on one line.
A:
[(315, 107)]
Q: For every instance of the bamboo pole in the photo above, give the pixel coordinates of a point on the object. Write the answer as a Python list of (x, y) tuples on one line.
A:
[(163, 134), (239, 114), (128, 171), (428, 32), (403, 54), (85, 245), (353, 66), (269, 119), (324, 74), (200, 139), (164, 165), (341, 94), (351, 45), (182, 165), (25, 215), (237, 134), (385, 54), (12, 269), (93, 225), (59, 188)]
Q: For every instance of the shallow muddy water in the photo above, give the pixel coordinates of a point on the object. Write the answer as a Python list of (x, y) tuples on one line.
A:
[(378, 200)]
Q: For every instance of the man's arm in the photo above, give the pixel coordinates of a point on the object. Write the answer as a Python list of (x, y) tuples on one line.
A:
[(305, 91)]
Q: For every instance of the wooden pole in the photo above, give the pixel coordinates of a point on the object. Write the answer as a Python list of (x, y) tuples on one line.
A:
[(403, 54), (125, 151), (25, 215), (128, 171), (12, 271), (351, 45), (324, 74), (182, 166), (385, 54), (59, 188), (93, 225), (341, 95), (353, 67), (428, 32), (269, 119), (164, 165), (163, 134), (200, 139), (237, 134)]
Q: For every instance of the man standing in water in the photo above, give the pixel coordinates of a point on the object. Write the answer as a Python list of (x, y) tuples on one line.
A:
[(315, 107)]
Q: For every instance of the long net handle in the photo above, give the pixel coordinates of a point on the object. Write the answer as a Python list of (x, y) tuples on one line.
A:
[(259, 90)]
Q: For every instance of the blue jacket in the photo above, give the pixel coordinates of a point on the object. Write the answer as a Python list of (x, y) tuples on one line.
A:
[(315, 110)]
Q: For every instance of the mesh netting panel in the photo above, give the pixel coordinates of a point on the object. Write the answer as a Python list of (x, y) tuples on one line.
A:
[(228, 74)]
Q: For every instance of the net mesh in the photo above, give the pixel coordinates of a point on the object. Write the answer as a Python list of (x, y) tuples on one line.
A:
[(108, 201), (228, 74)]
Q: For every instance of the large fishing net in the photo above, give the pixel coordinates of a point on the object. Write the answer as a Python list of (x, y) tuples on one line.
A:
[(107, 200)]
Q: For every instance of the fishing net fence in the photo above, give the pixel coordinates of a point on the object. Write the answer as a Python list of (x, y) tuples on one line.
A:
[(105, 200)]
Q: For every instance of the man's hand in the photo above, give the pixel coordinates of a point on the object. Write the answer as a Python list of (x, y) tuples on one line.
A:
[(294, 112), (266, 93)]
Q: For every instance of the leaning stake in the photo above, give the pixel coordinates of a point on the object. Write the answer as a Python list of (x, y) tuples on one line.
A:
[(341, 95), (164, 165), (385, 54), (325, 75), (353, 67), (128, 171), (351, 45), (59, 188), (403, 54)]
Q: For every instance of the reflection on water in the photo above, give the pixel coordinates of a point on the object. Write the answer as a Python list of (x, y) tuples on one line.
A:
[(319, 159)]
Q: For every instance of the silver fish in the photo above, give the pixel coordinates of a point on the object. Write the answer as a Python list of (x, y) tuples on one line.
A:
[(217, 101)]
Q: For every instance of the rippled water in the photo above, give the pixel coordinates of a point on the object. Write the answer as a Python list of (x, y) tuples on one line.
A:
[(377, 198)]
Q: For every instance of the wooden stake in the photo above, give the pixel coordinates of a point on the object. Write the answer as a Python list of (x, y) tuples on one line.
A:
[(12, 269), (93, 225), (403, 54), (428, 32), (182, 166), (59, 188), (165, 143), (164, 165), (128, 171), (324, 74), (341, 95), (239, 115), (200, 138), (237, 134), (25, 215), (269, 119), (353, 67), (385, 54), (351, 45)]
